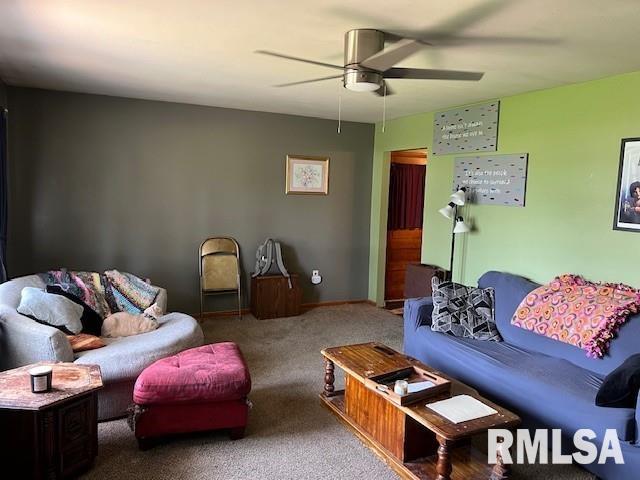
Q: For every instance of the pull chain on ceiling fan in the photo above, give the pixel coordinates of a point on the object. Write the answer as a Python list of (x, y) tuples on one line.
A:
[(384, 107), (339, 112)]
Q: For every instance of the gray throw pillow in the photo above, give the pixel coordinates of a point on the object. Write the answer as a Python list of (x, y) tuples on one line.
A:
[(54, 310), (463, 311)]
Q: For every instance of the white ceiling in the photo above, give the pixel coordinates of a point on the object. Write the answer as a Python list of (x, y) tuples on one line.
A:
[(201, 51)]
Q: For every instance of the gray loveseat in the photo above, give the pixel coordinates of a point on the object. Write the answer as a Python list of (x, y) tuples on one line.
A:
[(24, 341)]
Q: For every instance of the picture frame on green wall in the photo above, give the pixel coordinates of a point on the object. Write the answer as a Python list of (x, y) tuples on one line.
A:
[(627, 208)]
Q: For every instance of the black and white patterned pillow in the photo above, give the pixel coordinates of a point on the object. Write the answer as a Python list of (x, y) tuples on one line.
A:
[(463, 311)]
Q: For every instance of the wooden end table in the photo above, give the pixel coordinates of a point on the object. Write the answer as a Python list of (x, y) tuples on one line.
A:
[(415, 441), (271, 296), (49, 435)]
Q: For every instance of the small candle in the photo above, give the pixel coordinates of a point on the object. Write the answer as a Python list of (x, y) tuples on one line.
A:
[(41, 379), (401, 387)]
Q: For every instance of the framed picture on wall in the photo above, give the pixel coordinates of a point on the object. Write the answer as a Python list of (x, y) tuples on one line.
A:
[(307, 175), (627, 216)]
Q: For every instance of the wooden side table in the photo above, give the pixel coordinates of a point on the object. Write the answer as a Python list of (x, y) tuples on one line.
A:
[(49, 435), (271, 296)]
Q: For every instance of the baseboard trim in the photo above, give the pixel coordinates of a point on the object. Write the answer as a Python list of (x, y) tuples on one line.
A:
[(308, 306), (221, 313), (305, 307)]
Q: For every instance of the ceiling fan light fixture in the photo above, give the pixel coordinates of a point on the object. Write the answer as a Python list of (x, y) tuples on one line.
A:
[(362, 80), (362, 87)]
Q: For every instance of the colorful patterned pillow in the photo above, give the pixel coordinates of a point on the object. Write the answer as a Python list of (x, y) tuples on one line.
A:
[(463, 311), (575, 311)]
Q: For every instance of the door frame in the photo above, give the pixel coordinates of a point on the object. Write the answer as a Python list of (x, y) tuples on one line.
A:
[(384, 218)]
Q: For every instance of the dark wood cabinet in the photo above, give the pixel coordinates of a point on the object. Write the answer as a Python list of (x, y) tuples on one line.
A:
[(77, 435), (52, 435), (271, 296), (418, 279)]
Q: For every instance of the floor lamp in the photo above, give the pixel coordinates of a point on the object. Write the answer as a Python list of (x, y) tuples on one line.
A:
[(450, 211)]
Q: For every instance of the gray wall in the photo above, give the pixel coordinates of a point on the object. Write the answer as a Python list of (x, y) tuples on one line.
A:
[(3, 94), (102, 182)]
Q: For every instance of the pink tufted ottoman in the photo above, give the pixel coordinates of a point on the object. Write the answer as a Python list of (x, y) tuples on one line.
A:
[(204, 388)]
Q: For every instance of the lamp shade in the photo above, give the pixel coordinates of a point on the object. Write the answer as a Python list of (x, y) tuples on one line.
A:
[(448, 211), (460, 226), (460, 197)]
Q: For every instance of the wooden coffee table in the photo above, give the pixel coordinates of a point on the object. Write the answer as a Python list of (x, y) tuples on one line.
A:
[(415, 441), (51, 435)]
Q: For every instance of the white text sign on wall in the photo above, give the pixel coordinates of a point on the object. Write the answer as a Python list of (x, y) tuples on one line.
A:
[(493, 179), (466, 129)]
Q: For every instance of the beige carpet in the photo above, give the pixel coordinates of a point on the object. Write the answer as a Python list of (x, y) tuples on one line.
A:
[(290, 436)]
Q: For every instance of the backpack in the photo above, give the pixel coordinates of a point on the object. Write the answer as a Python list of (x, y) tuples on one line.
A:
[(269, 260)]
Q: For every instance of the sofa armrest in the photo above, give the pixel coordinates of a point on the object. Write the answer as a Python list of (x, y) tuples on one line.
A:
[(637, 440), (124, 358), (24, 341), (417, 312)]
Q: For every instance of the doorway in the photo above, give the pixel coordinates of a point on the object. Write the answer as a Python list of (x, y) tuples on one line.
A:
[(404, 220)]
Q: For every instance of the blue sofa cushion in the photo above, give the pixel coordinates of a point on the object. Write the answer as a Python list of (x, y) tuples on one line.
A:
[(417, 312), (620, 387), (509, 292), (556, 392)]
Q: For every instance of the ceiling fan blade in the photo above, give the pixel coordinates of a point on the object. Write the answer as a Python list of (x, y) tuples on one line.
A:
[(461, 21), (431, 74), (308, 81), (387, 58), (445, 33), (449, 31), (381, 91), (467, 18), (462, 40), (298, 59)]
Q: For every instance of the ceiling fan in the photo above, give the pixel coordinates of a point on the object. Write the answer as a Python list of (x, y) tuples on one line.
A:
[(367, 64)]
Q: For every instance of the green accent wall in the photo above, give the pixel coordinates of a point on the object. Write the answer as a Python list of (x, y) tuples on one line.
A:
[(572, 134)]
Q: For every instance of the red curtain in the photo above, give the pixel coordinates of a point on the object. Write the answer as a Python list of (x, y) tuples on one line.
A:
[(406, 196)]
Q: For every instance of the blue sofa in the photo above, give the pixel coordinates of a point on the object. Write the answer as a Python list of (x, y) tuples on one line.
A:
[(550, 384)]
